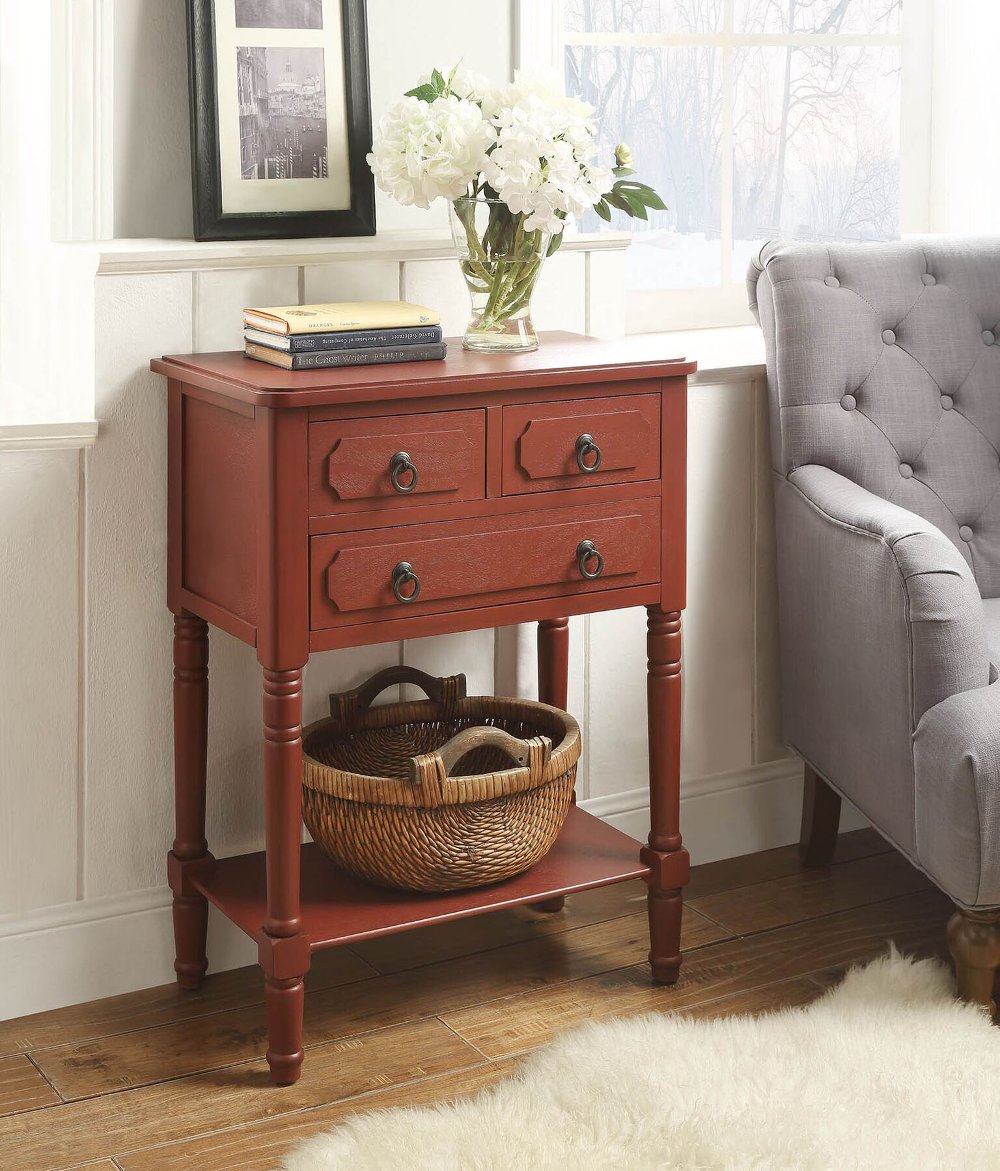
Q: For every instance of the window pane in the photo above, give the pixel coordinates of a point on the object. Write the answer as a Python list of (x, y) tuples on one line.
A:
[(643, 16), (816, 145), (817, 16), (665, 103)]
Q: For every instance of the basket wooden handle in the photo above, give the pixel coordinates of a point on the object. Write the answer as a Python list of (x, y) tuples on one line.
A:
[(358, 701), (430, 773), (464, 742)]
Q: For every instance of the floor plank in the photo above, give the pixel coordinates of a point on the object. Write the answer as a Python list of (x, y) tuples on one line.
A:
[(166, 1004), (500, 1029), (140, 1058), (63, 1136), (443, 941), (22, 1087), (808, 894), (260, 1146), (731, 873)]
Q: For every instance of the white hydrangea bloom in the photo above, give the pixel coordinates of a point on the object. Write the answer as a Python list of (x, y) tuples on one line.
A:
[(546, 143), (428, 150)]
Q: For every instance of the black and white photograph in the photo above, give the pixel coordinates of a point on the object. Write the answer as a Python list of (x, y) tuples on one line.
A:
[(282, 112), (280, 119), (279, 13)]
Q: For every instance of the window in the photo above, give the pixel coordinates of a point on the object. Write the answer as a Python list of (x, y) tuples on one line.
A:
[(753, 119)]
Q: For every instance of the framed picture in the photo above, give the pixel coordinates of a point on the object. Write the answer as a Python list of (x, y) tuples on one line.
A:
[(280, 119)]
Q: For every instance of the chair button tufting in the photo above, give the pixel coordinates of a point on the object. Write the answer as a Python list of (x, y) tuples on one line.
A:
[(947, 402), (989, 337), (965, 533), (849, 402), (888, 337), (905, 471), (831, 281), (928, 279)]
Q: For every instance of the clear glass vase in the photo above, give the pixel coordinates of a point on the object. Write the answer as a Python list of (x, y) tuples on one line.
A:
[(501, 263)]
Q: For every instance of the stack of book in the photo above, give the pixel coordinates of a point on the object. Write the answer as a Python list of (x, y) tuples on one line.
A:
[(358, 333)]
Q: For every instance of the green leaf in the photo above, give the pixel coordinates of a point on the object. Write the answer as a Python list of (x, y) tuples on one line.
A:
[(636, 207), (603, 210), (621, 172), (423, 93), (554, 243), (438, 81), (643, 192)]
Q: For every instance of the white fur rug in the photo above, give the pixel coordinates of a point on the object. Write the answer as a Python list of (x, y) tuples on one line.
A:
[(886, 1070)]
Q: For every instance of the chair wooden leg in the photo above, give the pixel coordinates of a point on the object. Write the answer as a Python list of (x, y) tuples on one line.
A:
[(974, 943), (820, 821)]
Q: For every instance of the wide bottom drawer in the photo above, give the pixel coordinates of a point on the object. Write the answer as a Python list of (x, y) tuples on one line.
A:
[(426, 569)]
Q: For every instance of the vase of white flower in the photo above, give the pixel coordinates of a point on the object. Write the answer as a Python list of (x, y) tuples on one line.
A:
[(515, 163), (501, 262)]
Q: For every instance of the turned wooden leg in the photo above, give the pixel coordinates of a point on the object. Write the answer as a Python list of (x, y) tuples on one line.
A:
[(553, 686), (189, 855), (974, 943), (553, 661), (284, 950), (668, 862), (820, 820)]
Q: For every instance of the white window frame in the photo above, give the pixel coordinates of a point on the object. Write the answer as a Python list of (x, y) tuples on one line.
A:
[(540, 40)]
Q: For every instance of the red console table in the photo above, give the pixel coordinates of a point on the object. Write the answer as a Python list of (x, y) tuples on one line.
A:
[(294, 501)]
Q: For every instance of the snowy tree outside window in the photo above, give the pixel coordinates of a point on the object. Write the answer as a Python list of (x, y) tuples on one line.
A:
[(754, 119)]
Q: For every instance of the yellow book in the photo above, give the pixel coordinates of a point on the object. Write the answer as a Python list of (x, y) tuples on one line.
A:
[(335, 318)]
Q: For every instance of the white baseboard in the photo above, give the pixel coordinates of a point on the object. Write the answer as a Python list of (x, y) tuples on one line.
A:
[(103, 947), (100, 947), (729, 814)]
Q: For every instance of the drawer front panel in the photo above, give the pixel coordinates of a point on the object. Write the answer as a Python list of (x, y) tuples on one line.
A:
[(483, 562), (351, 462), (549, 446)]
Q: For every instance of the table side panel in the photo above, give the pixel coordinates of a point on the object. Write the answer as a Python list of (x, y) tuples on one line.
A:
[(673, 523), (217, 499)]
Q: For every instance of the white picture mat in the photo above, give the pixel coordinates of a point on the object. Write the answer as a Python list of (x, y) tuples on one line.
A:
[(241, 196)]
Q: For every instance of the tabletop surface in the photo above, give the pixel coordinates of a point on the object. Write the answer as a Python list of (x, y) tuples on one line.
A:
[(560, 357)]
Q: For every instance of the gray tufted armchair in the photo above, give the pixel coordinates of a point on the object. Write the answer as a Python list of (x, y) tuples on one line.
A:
[(883, 365)]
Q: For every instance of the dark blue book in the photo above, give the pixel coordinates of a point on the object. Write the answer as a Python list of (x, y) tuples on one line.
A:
[(365, 357), (348, 339)]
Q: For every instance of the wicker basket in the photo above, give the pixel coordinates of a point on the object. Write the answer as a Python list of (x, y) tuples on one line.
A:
[(422, 796)]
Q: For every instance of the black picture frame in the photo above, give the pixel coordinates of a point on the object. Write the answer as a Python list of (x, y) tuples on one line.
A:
[(210, 221)]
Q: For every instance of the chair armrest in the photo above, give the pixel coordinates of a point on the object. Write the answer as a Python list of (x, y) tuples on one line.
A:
[(927, 608)]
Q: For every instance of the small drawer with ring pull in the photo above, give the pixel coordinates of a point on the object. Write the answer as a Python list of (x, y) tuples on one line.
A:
[(467, 563), (551, 446), (435, 458)]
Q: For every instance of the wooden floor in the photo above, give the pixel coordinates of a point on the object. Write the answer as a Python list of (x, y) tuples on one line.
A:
[(164, 1079)]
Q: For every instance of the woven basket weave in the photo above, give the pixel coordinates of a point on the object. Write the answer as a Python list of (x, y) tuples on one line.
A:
[(439, 794)]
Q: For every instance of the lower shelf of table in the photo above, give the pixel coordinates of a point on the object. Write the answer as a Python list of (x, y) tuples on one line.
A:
[(337, 908)]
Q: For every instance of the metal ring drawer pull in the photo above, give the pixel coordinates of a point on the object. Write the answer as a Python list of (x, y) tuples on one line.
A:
[(586, 447), (399, 466), (403, 576), (587, 551)]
